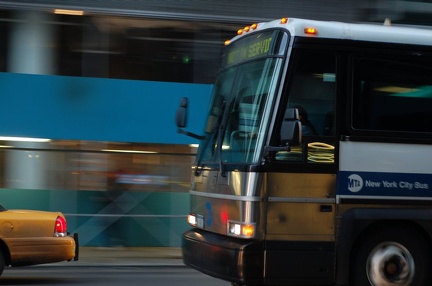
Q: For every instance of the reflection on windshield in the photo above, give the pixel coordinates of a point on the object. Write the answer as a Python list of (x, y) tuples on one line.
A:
[(235, 122)]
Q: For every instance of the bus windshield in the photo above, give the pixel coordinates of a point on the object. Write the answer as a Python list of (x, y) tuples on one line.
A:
[(243, 94)]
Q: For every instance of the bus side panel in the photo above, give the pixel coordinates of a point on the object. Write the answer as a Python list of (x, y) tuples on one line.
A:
[(300, 229), (300, 263), (301, 207)]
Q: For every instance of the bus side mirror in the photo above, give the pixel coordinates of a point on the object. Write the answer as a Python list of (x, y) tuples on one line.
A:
[(290, 133), (181, 119), (181, 115)]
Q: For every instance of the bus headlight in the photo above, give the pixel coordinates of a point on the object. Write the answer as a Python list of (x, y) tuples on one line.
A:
[(196, 220), (192, 219), (241, 229)]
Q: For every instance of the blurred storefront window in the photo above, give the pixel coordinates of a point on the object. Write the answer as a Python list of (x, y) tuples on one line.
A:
[(98, 166), (109, 46)]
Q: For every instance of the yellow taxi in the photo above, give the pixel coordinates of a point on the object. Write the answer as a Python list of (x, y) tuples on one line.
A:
[(29, 237)]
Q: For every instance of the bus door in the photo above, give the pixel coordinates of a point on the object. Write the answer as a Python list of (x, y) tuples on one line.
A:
[(301, 183)]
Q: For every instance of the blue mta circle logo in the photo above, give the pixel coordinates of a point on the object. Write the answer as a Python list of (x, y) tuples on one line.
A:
[(355, 183)]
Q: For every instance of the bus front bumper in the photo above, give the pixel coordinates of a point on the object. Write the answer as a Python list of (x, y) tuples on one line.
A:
[(232, 259)]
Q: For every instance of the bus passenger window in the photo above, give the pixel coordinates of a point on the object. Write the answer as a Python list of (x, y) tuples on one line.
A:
[(394, 96), (312, 90)]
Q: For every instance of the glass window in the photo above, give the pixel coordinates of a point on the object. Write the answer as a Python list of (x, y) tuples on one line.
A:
[(242, 99), (313, 93), (122, 47), (140, 48), (254, 82), (95, 166), (241, 93), (396, 95), (4, 38)]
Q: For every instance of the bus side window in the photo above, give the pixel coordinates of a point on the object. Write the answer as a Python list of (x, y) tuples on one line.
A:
[(312, 91), (395, 96)]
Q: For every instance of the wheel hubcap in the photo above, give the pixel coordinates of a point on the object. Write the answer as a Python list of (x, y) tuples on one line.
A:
[(390, 264)]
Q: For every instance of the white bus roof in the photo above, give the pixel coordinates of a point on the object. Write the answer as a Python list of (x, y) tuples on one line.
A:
[(337, 30)]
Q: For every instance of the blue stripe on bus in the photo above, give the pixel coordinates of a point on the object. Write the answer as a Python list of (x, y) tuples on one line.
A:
[(384, 184)]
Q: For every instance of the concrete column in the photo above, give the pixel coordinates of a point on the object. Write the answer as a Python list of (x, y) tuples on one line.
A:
[(30, 47), (30, 51), (26, 169)]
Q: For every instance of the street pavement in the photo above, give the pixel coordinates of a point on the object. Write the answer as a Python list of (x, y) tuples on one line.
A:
[(127, 256)]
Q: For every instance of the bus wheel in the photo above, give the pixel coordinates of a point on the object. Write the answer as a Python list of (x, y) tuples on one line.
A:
[(392, 257)]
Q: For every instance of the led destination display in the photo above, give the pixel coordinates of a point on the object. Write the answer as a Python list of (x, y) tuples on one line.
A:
[(249, 48)]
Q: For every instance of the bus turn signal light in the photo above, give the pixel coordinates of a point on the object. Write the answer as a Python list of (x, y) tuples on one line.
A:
[(310, 31), (239, 229)]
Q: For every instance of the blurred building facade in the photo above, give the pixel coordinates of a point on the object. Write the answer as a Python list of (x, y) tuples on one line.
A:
[(89, 91)]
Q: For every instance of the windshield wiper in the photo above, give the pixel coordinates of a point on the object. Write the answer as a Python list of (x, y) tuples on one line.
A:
[(214, 133), (220, 136), (219, 150)]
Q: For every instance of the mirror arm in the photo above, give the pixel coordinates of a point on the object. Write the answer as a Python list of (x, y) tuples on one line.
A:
[(190, 134), (277, 148)]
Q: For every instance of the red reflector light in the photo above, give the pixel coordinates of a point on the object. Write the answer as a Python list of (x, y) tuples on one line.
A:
[(310, 31), (60, 226), (224, 217)]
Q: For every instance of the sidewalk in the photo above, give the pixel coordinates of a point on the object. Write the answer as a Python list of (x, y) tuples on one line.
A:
[(127, 256)]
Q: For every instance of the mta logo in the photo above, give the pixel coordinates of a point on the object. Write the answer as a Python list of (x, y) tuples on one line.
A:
[(355, 183)]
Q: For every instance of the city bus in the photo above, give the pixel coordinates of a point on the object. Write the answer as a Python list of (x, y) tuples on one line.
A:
[(315, 165)]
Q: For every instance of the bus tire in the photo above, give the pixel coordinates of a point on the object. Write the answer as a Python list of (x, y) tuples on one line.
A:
[(390, 257)]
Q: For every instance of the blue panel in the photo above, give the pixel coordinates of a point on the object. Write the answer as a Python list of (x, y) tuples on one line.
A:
[(79, 108)]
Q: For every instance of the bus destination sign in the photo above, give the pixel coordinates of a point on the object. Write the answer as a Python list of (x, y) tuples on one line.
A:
[(249, 48)]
